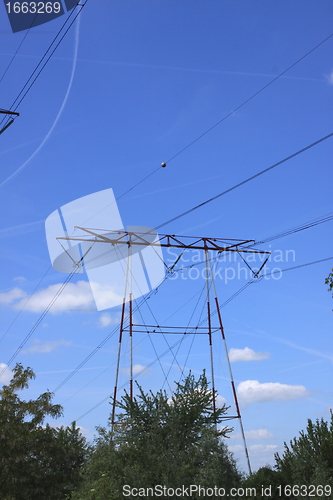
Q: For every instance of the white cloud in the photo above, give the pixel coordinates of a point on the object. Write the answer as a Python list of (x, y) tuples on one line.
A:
[(136, 369), (48, 346), (246, 354), (255, 449), (7, 374), (254, 434), (105, 296), (260, 454), (260, 449), (20, 279), (330, 78), (220, 401), (106, 319), (74, 297), (252, 391), (11, 296)]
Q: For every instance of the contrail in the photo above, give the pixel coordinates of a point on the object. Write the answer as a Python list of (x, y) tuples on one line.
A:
[(76, 46)]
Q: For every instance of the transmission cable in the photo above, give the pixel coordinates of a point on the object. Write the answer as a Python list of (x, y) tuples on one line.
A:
[(24, 305), (26, 87), (142, 301), (246, 180), (104, 341), (297, 267), (40, 319), (250, 98), (288, 232), (110, 366), (17, 50), (220, 121), (220, 307), (155, 360)]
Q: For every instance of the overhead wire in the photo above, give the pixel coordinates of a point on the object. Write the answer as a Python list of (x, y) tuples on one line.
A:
[(315, 222), (101, 344), (300, 151), (16, 52), (116, 329), (132, 278), (219, 122), (237, 185), (182, 338), (155, 360), (47, 56), (297, 267), (220, 194), (250, 98), (25, 304), (225, 303), (177, 270), (37, 323), (307, 225)]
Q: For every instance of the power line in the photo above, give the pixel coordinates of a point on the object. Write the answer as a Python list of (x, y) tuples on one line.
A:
[(26, 302), (250, 98), (297, 267), (163, 354), (40, 319), (307, 225), (101, 344), (16, 52), (246, 180), (26, 87), (222, 305), (324, 219), (224, 118), (288, 232)]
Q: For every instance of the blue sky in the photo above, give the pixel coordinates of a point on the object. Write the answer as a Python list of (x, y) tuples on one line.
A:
[(130, 86)]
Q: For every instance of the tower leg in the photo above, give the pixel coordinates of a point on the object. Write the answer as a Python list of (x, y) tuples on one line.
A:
[(210, 334), (229, 367), (130, 277), (131, 344), (118, 362)]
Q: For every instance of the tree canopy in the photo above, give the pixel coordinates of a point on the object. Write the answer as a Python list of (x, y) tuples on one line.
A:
[(329, 282), (37, 461), (162, 441), (308, 459)]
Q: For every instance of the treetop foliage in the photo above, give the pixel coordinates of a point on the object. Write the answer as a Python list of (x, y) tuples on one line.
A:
[(36, 462), (182, 417), (329, 282), (162, 441), (308, 459)]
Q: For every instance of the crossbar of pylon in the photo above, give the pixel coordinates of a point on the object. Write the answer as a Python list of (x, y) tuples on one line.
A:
[(163, 240)]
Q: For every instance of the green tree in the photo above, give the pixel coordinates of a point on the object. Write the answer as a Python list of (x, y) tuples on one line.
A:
[(162, 441), (329, 282), (265, 482), (36, 462), (308, 460)]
